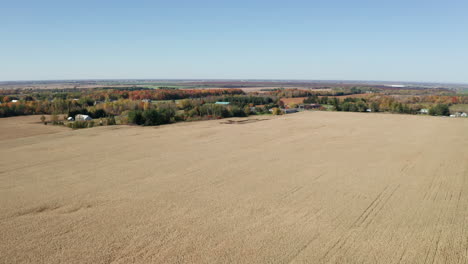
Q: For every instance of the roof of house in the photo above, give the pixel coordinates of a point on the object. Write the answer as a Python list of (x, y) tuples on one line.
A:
[(80, 116), (290, 110)]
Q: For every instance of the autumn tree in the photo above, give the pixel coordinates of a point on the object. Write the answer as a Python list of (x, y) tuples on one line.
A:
[(276, 111)]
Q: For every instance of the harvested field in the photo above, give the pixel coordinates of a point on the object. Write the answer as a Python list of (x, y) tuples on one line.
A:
[(316, 187), (263, 89), (366, 95), (295, 100), (26, 126)]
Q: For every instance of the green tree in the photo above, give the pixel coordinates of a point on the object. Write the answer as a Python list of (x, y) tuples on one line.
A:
[(136, 117), (99, 113), (439, 110), (361, 106), (336, 104), (151, 117), (237, 111), (375, 107)]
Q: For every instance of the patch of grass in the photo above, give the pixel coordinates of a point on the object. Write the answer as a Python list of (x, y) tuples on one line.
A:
[(459, 108), (328, 107)]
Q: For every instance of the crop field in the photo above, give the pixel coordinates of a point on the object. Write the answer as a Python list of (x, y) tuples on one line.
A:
[(311, 187)]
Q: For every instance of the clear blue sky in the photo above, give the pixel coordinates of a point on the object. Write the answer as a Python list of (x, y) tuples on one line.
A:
[(399, 40)]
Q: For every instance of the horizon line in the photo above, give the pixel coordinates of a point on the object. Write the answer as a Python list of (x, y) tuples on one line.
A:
[(231, 79)]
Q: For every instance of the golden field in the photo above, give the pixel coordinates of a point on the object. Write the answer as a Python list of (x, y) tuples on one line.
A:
[(312, 187)]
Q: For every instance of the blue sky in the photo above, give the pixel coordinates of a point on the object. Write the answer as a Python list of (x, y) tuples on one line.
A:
[(344, 40)]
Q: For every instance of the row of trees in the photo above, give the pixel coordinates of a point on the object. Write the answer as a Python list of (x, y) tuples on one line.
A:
[(377, 104), (33, 107), (243, 100), (151, 117), (142, 113), (105, 94), (169, 113), (199, 102), (291, 93), (106, 99)]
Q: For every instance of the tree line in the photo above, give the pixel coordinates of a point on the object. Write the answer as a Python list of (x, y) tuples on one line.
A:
[(374, 104), (64, 102)]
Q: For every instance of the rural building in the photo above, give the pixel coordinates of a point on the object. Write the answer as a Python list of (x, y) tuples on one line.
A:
[(146, 100), (14, 101), (290, 110), (222, 103), (309, 106), (70, 118), (424, 111), (459, 114), (82, 117)]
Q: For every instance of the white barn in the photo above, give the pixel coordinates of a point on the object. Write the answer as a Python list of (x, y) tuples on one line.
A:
[(82, 118)]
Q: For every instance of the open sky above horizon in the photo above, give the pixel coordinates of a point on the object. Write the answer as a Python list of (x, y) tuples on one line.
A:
[(412, 40)]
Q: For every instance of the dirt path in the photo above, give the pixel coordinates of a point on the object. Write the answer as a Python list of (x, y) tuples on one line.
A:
[(316, 187)]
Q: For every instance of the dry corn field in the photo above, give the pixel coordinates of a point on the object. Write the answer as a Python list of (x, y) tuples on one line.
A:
[(312, 187)]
